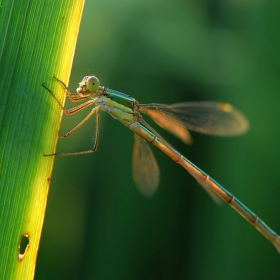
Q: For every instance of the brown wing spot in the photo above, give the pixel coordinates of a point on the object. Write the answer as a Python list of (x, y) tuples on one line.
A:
[(226, 107)]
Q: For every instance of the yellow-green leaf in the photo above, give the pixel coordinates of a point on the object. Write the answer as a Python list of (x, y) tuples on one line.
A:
[(37, 41)]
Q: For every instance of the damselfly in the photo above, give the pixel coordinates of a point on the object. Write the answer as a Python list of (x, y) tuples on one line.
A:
[(210, 117)]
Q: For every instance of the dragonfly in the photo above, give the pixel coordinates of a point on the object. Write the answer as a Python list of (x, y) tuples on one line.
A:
[(207, 117)]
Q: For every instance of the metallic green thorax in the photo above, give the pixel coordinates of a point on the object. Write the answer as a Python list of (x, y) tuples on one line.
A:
[(119, 106), (120, 98)]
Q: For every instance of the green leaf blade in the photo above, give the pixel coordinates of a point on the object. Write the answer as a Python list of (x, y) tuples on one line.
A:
[(37, 41)]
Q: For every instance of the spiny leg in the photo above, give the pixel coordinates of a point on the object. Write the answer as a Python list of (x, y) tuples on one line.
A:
[(73, 110), (60, 105), (95, 144), (91, 113), (79, 108), (74, 97)]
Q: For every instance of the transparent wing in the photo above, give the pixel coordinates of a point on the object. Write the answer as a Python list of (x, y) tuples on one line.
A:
[(177, 130), (145, 167), (192, 171), (208, 117)]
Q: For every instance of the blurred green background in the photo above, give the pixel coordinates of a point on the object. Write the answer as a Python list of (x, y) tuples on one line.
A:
[(97, 225)]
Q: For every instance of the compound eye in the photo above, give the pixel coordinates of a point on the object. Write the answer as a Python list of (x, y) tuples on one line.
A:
[(92, 84)]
